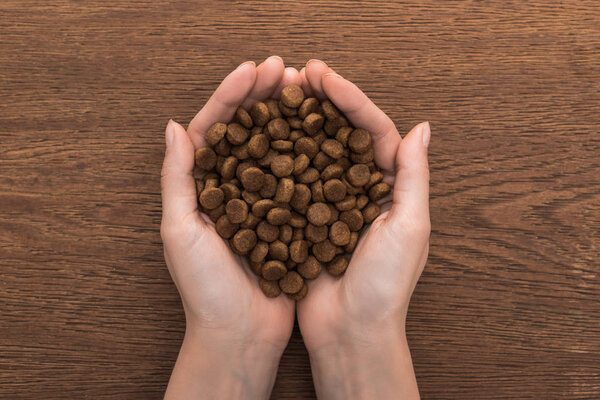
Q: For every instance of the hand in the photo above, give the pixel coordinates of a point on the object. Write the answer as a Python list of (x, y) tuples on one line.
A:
[(354, 326), (234, 334)]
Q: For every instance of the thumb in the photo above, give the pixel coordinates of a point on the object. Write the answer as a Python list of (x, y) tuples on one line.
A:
[(410, 209), (177, 181)]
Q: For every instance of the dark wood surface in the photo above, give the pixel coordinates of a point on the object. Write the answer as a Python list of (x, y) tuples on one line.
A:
[(509, 303)]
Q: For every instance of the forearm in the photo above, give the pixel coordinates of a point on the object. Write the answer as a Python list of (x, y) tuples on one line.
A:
[(381, 369), (207, 370)]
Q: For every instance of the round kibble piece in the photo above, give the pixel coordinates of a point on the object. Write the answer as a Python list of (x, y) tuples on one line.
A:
[(259, 113), (278, 251), (297, 221), (343, 134), (258, 146), (223, 148), (370, 212), (287, 111), (292, 96), (310, 269), (338, 266), (250, 197), (211, 198), (237, 211), (362, 158), (359, 141), (291, 283), (206, 158), (334, 190), (243, 117), (278, 216), (269, 186), (262, 207), (374, 179), (312, 123), (318, 214), (244, 240), (332, 148), (332, 171), (268, 158), (236, 133), (240, 152), (259, 252), (273, 270), (321, 161), (308, 106), (278, 129), (339, 233), (316, 234), (299, 251), (300, 164), (361, 201), (300, 295), (379, 191), (252, 179), (349, 248), (282, 145), (250, 222), (273, 107), (282, 166), (295, 122), (298, 234), (317, 192), (269, 288), (353, 219), (256, 267), (301, 196), (347, 204), (285, 190), (229, 167), (324, 251), (333, 125), (285, 233), (215, 133), (310, 175), (329, 110), (306, 145), (216, 213), (225, 228), (267, 232), (358, 175)]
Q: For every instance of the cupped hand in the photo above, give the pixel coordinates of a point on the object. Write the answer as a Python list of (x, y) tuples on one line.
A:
[(362, 313), (226, 312)]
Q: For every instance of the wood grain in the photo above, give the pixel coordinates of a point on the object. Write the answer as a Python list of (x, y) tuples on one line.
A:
[(508, 306)]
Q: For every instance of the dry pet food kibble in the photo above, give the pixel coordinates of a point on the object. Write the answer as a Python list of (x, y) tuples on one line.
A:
[(289, 184)]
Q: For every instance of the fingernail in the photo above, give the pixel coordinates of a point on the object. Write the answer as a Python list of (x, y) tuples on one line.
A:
[(426, 133), (170, 133), (246, 63), (315, 60), (275, 58), (332, 74)]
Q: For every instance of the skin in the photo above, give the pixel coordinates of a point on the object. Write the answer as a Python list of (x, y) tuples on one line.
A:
[(234, 334)]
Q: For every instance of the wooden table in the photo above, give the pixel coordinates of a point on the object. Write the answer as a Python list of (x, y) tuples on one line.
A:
[(509, 303)]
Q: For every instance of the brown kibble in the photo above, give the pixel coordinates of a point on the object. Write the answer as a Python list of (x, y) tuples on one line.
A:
[(349, 248), (268, 158), (229, 167), (348, 203), (338, 266), (287, 111), (332, 148), (332, 171), (278, 129), (236, 133), (324, 251), (343, 134), (351, 189), (237, 211), (259, 113), (310, 269), (298, 234), (315, 233), (300, 164), (258, 146), (359, 141), (262, 207), (295, 122), (223, 148), (321, 161), (216, 213), (379, 191), (329, 110), (313, 123), (278, 216), (211, 198), (259, 252), (333, 125), (225, 228), (199, 186), (267, 232), (282, 166), (273, 107), (375, 178), (269, 288), (299, 251), (250, 222), (269, 186), (306, 145), (278, 250), (252, 179), (361, 201), (362, 158), (205, 158), (300, 295), (257, 130), (256, 267), (282, 145), (334, 214), (243, 117), (291, 283), (370, 212), (353, 219), (289, 264), (215, 133), (339, 233), (297, 220), (285, 190), (344, 162), (296, 134), (210, 183), (301, 196), (243, 241), (240, 152), (250, 197), (274, 270), (310, 175), (320, 137), (316, 189), (318, 214), (292, 96), (285, 233), (308, 106), (334, 190), (358, 175)]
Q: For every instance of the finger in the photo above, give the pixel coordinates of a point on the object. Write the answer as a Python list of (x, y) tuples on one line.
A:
[(363, 113), (178, 189), (304, 84), (410, 207), (268, 76), (315, 69), (224, 101), (291, 76)]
